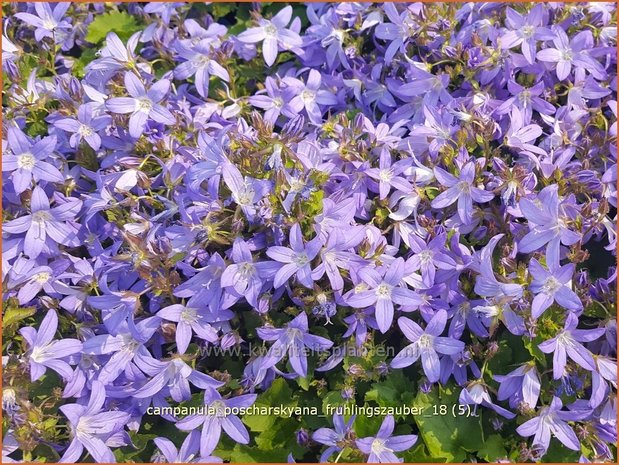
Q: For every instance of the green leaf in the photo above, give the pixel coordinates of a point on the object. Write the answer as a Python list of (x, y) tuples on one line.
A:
[(446, 436), (419, 454), (557, 452), (14, 315), (432, 192), (332, 399), (367, 425), (278, 394), (492, 449), (536, 353), (121, 23), (280, 436), (394, 391), (251, 454), (502, 359)]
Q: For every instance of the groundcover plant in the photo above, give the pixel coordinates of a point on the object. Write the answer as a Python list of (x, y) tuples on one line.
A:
[(338, 232)]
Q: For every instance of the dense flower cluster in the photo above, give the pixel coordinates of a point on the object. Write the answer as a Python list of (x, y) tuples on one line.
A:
[(184, 184)]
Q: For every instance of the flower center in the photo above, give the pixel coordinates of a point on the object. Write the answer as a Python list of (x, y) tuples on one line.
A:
[(246, 197), (26, 161), (83, 427), (85, 131), (297, 185), (425, 341), (464, 308), (378, 446), (528, 31), (42, 277), (566, 55), (488, 311), (278, 102), (219, 407), (41, 216), (383, 290), (464, 187), (295, 333), (360, 288), (551, 286), (49, 25), (129, 344), (525, 96), (426, 256), (385, 175), (270, 30), (189, 315), (565, 339), (338, 34), (301, 259), (39, 354), (144, 104), (307, 96), (203, 61), (246, 270)]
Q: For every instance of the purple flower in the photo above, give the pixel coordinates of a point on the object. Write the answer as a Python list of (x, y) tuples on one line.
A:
[(426, 344), (568, 344), (48, 22), (460, 190), (552, 286), (174, 376), (549, 225), (520, 385), (142, 104), (189, 318), (273, 34), (46, 226), (26, 160), (115, 55), (294, 339), (381, 448), (200, 63), (215, 418), (567, 53), (388, 175), (296, 259), (551, 420), (164, 9), (124, 347), (44, 352), (383, 291), (476, 393), (274, 100), (188, 452), (333, 437), (335, 255), (526, 31), (397, 32), (429, 257), (310, 95), (245, 276), (498, 294), (92, 428), (86, 126), (246, 192)]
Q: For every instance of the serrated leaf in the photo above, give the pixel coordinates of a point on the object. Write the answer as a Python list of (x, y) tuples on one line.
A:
[(121, 23), (278, 394), (492, 449), (446, 436), (14, 315)]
